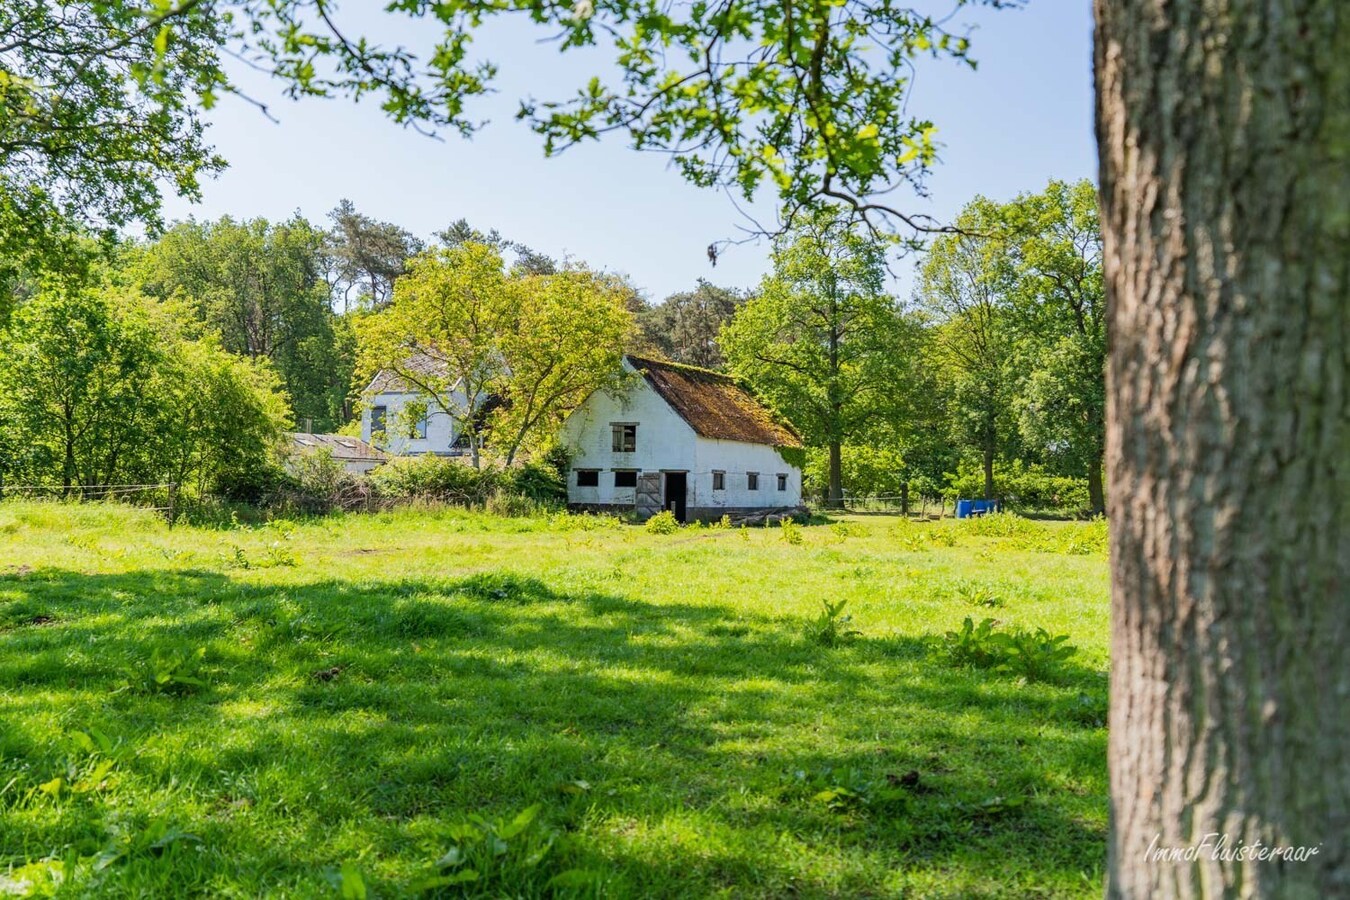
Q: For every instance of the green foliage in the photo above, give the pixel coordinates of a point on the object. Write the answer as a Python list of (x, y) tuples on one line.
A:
[(367, 257), (867, 471), (1020, 329), (169, 670), (791, 531), (848, 790), (492, 856), (99, 388), (684, 326), (465, 334), (1021, 486), (1033, 655), (830, 627), (438, 478), (663, 522), (820, 340), (259, 288), (99, 111)]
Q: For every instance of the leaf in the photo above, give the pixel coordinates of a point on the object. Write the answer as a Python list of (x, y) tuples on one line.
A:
[(574, 878), (520, 822), (453, 857), (447, 880), (353, 885)]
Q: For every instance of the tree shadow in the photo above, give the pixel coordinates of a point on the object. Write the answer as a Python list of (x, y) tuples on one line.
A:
[(384, 711)]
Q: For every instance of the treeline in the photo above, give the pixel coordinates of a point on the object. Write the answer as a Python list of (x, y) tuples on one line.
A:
[(186, 357)]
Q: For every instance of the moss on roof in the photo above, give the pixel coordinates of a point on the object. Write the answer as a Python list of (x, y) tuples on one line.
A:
[(715, 405)]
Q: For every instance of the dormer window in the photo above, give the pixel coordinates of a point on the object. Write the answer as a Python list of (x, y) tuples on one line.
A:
[(625, 437)]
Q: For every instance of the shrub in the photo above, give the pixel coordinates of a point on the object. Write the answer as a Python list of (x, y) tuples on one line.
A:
[(831, 627), (444, 479), (792, 532), (537, 481), (663, 522), (1021, 486), (318, 483)]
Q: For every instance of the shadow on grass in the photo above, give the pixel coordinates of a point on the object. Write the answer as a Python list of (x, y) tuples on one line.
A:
[(681, 748)]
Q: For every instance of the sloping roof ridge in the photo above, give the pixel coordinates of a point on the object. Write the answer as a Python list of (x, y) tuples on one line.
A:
[(683, 367)]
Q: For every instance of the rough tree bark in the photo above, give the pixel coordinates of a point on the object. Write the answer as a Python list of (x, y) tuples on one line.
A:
[(1224, 128)]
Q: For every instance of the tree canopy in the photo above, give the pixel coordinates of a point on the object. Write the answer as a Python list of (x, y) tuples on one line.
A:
[(103, 99), (821, 339)]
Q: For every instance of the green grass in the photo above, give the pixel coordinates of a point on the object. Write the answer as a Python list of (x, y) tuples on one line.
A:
[(303, 709)]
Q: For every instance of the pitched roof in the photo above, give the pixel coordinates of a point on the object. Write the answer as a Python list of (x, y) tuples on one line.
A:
[(341, 446), (714, 405), (388, 382)]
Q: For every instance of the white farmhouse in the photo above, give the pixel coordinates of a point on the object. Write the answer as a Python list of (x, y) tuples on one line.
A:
[(680, 438), (384, 425)]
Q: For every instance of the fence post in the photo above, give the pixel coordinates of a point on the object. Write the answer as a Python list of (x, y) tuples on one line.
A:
[(173, 502)]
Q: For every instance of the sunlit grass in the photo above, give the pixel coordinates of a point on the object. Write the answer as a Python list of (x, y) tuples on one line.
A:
[(368, 683)]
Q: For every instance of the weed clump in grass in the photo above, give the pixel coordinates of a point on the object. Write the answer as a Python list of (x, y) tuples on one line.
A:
[(792, 532), (168, 671), (663, 522), (831, 627), (505, 858), (1034, 655)]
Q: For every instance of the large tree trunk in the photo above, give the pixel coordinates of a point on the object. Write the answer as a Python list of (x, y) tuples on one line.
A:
[(1224, 130), (989, 472), (1096, 493), (834, 497)]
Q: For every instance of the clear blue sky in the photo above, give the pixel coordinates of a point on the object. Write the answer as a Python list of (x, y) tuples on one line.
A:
[(1024, 117)]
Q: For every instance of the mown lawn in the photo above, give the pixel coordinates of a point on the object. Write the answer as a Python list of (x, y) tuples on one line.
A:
[(303, 709)]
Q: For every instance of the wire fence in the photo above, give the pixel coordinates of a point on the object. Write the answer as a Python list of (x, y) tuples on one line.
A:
[(896, 505), (161, 497)]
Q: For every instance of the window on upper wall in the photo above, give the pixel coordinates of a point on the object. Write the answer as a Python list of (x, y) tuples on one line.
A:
[(377, 416), (588, 477), (782, 481), (752, 481), (719, 481), (625, 478), (419, 429), (625, 437)]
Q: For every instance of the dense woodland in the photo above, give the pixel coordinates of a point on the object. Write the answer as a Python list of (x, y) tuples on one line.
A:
[(184, 357)]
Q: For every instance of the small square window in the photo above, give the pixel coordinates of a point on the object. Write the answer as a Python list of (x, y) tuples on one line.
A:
[(588, 478), (377, 416), (625, 438), (782, 481), (752, 481), (625, 478), (719, 481)]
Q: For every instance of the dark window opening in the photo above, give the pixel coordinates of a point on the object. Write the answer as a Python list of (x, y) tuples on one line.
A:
[(625, 478), (588, 478), (752, 481), (625, 438), (377, 417), (719, 481), (782, 482)]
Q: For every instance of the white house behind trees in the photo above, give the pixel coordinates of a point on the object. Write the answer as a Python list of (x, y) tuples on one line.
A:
[(384, 424), (680, 438)]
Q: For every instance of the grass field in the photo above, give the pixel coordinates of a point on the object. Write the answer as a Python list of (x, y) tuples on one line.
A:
[(440, 702)]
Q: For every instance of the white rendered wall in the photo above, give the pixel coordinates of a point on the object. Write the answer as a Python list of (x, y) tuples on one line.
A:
[(737, 460), (664, 442), (441, 431)]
